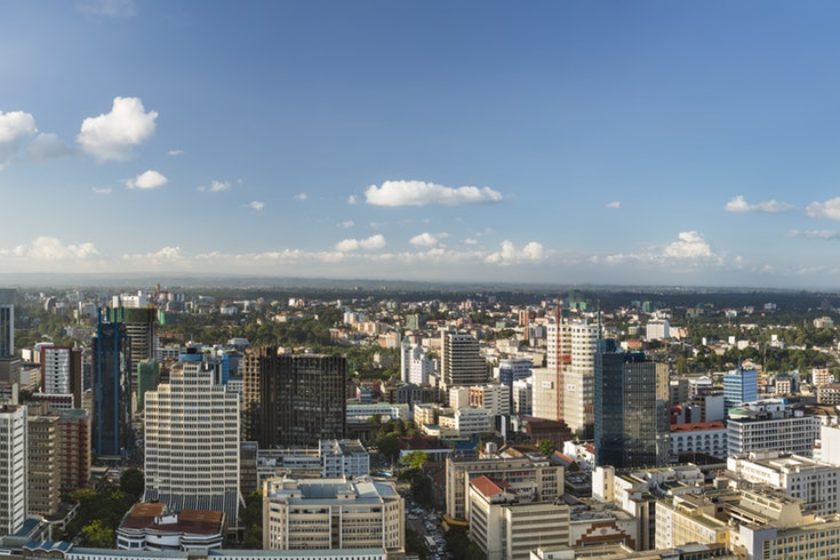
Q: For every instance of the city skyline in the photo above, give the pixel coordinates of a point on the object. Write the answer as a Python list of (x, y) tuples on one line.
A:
[(570, 143)]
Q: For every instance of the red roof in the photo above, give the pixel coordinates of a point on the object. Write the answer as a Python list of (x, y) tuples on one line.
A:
[(697, 426), (488, 486)]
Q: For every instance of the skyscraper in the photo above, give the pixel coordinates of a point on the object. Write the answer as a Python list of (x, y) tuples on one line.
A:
[(7, 323), (631, 409), (13, 465), (61, 372), (579, 377), (74, 441), (44, 468), (112, 389), (739, 386), (148, 378), (292, 400), (192, 441), (461, 363)]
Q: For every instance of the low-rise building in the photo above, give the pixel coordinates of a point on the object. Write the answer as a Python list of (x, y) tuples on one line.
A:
[(704, 437), (148, 526), (771, 425)]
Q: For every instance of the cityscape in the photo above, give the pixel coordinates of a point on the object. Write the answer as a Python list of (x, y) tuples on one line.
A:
[(373, 280)]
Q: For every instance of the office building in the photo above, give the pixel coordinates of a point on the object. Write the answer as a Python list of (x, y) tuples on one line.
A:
[(148, 378), (74, 444), (558, 358), (44, 477), (150, 526), (523, 397), (141, 331), (688, 518), (708, 438), (493, 397), (547, 394), (578, 388), (507, 523), (7, 323), (61, 372), (466, 422), (13, 466), (658, 329), (112, 389), (771, 425), (739, 386), (415, 367), (510, 465), (631, 409), (332, 513), (192, 441), (513, 369), (461, 363), (293, 400)]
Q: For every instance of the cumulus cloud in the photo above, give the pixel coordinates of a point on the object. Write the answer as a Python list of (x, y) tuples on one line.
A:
[(114, 135), (739, 205), (15, 128), (120, 9), (509, 254), (215, 186), (167, 253), (47, 146), (373, 242), (421, 193), (470, 241), (256, 205), (614, 205), (352, 199), (301, 196), (45, 248), (426, 239), (689, 245), (147, 180), (829, 209)]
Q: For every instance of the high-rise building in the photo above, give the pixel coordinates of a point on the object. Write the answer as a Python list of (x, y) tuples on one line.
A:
[(7, 323), (292, 400), (74, 443), (461, 362), (13, 466), (61, 372), (631, 409), (148, 378), (112, 389), (140, 320), (192, 441), (739, 386), (771, 425), (415, 367), (547, 394), (44, 466), (332, 513), (578, 390)]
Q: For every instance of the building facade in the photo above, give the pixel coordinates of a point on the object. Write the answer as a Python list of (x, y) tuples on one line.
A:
[(14, 461)]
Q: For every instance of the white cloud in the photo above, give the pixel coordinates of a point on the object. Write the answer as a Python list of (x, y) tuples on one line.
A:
[(347, 224), (47, 146), (175, 152), (150, 179), (829, 209), (301, 196), (256, 205), (426, 239), (689, 245), (508, 254), (45, 248), (420, 193), (352, 199), (114, 135), (614, 205), (121, 9), (470, 241), (215, 186), (15, 128), (739, 205), (167, 253), (373, 242), (102, 190)]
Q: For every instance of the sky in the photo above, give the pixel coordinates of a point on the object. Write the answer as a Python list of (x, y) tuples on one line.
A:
[(655, 142)]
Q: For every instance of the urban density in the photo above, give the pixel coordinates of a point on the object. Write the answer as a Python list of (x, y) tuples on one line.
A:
[(419, 280)]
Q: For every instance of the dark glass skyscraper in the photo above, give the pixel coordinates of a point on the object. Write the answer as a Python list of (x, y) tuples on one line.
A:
[(631, 409), (112, 388), (292, 400)]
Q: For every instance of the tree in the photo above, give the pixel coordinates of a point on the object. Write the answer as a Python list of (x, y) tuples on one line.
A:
[(546, 447), (98, 535), (415, 459), (389, 446), (252, 521), (132, 483)]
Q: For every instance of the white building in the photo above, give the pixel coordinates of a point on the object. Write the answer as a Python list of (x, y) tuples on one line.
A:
[(332, 513), (467, 422), (13, 466), (816, 483), (771, 426), (55, 364), (148, 526), (658, 329), (523, 401), (192, 442), (705, 437), (547, 394), (578, 389), (415, 367), (493, 397), (362, 413)]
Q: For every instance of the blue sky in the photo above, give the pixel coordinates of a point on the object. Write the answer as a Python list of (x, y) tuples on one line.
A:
[(601, 142)]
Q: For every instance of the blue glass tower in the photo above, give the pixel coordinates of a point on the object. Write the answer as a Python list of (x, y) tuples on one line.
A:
[(112, 388), (739, 386)]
